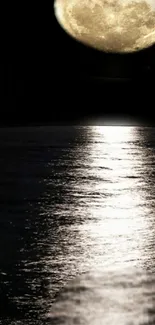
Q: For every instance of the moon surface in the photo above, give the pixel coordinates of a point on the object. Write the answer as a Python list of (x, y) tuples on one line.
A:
[(121, 26)]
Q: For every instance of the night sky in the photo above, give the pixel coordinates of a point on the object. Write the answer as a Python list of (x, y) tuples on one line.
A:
[(48, 77)]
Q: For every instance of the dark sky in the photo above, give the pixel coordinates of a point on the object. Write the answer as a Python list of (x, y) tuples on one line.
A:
[(45, 67)]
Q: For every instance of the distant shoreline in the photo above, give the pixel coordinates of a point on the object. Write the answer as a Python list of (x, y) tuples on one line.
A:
[(59, 123)]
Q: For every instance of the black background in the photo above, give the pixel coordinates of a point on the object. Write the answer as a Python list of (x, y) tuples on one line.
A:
[(48, 77)]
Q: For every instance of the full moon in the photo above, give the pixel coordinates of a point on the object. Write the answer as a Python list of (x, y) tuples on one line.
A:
[(119, 26)]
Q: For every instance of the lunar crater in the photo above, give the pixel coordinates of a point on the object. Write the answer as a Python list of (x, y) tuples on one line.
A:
[(109, 25)]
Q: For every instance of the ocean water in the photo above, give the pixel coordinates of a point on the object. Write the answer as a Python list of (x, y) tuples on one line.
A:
[(77, 225)]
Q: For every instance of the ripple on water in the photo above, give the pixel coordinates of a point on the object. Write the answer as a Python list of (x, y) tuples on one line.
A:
[(125, 297)]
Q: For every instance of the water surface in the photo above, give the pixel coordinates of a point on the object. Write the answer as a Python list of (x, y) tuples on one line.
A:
[(77, 203)]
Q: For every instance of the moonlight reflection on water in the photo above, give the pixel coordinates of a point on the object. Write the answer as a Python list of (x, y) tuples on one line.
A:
[(115, 200), (116, 236)]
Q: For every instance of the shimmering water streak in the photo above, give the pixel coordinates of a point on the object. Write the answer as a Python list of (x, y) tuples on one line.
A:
[(117, 235)]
